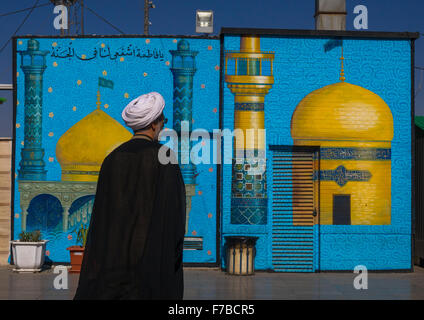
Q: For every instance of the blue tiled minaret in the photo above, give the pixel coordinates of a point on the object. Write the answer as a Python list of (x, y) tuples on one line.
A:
[(183, 69), (33, 64)]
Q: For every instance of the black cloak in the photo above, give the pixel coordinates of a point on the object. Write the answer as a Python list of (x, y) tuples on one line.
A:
[(135, 239)]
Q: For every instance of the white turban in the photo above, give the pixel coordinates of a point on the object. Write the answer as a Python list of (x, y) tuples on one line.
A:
[(143, 110)]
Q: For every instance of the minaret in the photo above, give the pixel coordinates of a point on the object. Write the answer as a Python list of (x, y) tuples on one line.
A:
[(183, 69), (33, 64), (249, 76)]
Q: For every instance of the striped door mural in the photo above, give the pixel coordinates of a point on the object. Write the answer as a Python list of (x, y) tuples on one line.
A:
[(295, 195)]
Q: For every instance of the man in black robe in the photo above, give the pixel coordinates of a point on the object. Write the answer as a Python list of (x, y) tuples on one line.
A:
[(135, 239)]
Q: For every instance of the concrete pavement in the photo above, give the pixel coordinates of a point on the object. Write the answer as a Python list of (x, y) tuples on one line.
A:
[(214, 284)]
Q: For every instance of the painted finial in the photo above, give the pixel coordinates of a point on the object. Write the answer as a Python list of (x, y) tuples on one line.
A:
[(98, 103), (342, 74)]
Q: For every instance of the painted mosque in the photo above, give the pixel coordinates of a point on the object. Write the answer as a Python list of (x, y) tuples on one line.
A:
[(81, 150), (335, 173)]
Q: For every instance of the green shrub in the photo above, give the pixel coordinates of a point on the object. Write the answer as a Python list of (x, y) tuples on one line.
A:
[(82, 235), (34, 236)]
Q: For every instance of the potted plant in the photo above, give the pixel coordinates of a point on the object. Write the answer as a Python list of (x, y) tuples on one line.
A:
[(29, 251), (77, 252)]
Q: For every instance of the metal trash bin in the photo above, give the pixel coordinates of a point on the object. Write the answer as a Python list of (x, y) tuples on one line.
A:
[(241, 252)]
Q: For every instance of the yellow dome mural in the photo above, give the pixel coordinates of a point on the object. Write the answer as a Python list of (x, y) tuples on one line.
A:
[(342, 111), (353, 128), (82, 149)]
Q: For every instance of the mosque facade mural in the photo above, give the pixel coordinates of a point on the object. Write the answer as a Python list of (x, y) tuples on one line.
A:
[(73, 91), (354, 137), (326, 122), (337, 177)]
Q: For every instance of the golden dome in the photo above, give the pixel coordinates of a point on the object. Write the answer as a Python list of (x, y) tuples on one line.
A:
[(342, 111), (82, 149)]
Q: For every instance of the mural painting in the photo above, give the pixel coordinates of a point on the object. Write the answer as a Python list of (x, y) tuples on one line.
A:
[(70, 95), (329, 187), (337, 117), (354, 136)]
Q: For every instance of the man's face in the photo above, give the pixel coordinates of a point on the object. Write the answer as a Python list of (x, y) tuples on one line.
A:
[(158, 129), (159, 126)]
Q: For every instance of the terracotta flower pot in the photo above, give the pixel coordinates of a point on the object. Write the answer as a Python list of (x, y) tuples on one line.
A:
[(77, 253)]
